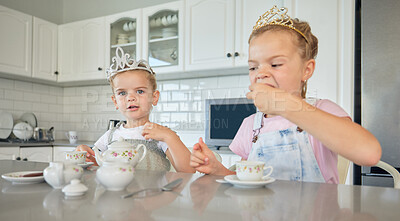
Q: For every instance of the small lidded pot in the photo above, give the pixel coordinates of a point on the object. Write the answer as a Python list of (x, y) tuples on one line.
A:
[(59, 174), (115, 175)]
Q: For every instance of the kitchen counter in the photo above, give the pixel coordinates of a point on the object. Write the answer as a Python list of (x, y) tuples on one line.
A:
[(199, 197), (44, 144)]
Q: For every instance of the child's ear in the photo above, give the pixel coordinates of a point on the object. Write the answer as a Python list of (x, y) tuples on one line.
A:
[(114, 101), (309, 68), (156, 96)]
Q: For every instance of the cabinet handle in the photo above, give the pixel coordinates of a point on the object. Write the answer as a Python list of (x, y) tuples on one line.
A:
[(25, 159), (56, 72), (236, 54), (229, 55), (18, 158), (99, 68)]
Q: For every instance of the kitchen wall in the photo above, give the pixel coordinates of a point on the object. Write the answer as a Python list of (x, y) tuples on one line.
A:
[(18, 97), (88, 109)]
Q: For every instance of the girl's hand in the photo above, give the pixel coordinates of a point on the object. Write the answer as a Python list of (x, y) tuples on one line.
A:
[(90, 153), (273, 101), (204, 160), (157, 132)]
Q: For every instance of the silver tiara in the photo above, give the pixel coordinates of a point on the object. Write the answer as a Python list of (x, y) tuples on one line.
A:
[(122, 62)]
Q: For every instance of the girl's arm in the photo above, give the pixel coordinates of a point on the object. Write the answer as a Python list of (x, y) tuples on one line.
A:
[(177, 152), (340, 135)]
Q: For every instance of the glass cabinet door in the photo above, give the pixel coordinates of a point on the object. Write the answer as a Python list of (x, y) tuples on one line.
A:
[(162, 36), (124, 30), (123, 34)]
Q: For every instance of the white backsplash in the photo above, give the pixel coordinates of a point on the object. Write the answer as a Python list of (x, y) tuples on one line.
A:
[(88, 109)]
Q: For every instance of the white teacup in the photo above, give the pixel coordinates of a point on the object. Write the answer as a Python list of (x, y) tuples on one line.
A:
[(252, 170), (76, 157)]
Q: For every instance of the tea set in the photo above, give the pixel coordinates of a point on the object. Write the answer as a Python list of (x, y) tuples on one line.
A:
[(250, 174), (115, 173)]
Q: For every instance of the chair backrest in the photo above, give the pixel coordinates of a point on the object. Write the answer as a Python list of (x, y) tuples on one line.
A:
[(343, 169), (395, 174)]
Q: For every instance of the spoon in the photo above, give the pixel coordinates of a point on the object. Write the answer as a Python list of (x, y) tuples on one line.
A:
[(153, 191)]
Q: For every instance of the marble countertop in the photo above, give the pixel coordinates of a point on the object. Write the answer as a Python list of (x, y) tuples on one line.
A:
[(41, 144), (199, 197)]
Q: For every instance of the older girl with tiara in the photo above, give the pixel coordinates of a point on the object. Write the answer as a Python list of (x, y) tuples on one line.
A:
[(300, 138), (134, 94)]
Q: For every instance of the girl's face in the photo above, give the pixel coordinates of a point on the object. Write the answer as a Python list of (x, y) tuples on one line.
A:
[(134, 96), (274, 60)]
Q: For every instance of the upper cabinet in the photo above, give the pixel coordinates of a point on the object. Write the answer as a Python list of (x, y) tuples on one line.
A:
[(163, 37), (44, 65), (81, 51), (124, 30), (15, 42), (217, 32), (209, 31), (247, 14)]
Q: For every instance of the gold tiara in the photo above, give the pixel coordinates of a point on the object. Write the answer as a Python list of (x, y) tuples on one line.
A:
[(276, 16), (122, 62)]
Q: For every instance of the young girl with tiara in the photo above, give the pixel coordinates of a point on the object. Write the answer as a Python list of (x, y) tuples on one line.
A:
[(300, 138), (134, 93)]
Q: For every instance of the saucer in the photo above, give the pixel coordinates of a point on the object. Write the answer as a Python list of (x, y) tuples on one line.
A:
[(17, 177), (85, 164), (232, 179)]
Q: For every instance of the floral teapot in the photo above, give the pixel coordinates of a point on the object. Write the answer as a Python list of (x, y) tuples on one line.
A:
[(121, 150)]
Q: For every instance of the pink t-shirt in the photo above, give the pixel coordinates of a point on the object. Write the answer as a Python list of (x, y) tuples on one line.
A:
[(326, 159)]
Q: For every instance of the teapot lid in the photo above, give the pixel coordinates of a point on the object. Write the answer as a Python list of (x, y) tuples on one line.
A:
[(76, 188), (120, 143)]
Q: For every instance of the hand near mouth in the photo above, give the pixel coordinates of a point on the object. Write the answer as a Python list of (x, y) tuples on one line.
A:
[(270, 100)]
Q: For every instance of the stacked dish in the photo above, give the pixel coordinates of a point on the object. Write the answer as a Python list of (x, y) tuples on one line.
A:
[(169, 32), (122, 38)]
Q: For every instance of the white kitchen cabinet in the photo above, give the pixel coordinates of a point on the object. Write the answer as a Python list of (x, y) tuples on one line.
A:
[(209, 32), (44, 64), (217, 32), (163, 40), (38, 154), (81, 54), (9, 153), (124, 30), (15, 42), (58, 152)]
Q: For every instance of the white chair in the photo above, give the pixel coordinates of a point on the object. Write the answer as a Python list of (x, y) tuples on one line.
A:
[(395, 174), (343, 167)]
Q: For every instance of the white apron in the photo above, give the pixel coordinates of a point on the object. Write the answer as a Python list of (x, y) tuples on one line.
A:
[(289, 151)]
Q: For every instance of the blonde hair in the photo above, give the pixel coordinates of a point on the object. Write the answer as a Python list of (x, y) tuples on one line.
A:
[(151, 77), (307, 50)]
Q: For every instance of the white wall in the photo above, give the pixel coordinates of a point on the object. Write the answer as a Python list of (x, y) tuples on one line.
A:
[(88, 109)]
